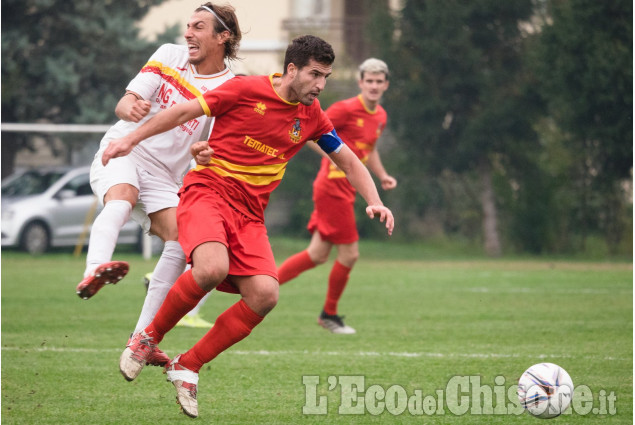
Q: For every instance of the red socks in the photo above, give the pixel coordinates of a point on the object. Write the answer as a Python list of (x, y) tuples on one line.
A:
[(294, 265), (183, 297), (237, 322), (337, 282), (338, 278), (231, 326)]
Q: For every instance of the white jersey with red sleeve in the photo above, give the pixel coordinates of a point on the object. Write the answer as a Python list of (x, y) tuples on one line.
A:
[(165, 80)]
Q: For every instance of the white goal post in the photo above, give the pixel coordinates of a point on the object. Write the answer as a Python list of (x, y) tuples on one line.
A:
[(54, 128)]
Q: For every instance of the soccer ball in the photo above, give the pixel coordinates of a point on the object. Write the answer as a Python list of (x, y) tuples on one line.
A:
[(545, 390)]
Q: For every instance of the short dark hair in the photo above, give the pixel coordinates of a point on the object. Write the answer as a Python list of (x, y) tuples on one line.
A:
[(307, 47)]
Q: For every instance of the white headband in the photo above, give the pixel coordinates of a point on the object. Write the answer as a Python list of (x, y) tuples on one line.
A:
[(217, 17)]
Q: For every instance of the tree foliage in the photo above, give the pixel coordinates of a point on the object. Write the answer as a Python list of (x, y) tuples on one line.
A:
[(583, 60), (459, 98), (480, 85), (544, 116), (68, 61)]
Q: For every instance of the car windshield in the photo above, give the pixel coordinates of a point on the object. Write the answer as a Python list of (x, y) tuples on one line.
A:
[(31, 182)]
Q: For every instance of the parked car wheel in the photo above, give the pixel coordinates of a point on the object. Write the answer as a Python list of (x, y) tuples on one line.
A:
[(35, 238), (49, 207)]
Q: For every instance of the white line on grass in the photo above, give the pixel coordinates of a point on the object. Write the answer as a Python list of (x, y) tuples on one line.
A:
[(404, 354), (578, 291)]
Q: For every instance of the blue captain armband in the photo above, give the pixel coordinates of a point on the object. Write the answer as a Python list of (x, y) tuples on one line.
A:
[(330, 142)]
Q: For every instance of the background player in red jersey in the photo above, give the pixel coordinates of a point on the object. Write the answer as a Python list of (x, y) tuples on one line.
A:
[(261, 122), (359, 121)]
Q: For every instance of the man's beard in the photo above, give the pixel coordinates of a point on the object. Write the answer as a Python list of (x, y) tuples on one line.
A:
[(197, 61)]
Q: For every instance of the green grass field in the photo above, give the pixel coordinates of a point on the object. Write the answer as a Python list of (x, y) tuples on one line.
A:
[(423, 326)]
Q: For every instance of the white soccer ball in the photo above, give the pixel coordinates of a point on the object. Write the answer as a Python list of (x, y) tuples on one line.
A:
[(545, 390)]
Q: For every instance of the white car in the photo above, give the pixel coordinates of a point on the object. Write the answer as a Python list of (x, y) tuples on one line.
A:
[(52, 207)]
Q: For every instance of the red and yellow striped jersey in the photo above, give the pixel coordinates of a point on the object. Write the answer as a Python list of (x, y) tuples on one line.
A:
[(359, 128), (255, 134)]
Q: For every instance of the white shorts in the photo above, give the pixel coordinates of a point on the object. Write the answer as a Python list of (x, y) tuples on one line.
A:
[(155, 193)]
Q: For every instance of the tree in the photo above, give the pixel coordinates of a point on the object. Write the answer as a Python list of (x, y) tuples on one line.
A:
[(584, 61), (458, 96), (68, 62)]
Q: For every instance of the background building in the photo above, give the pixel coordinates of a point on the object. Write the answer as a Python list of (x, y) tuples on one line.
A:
[(268, 26), (264, 40)]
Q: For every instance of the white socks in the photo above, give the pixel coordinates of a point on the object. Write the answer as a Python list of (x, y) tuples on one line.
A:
[(105, 232), (170, 266)]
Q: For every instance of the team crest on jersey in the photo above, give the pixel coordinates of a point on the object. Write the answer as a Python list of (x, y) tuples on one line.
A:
[(360, 122), (260, 108), (294, 133)]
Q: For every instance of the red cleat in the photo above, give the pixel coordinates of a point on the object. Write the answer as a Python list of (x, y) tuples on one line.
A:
[(107, 273), (136, 354), (157, 357)]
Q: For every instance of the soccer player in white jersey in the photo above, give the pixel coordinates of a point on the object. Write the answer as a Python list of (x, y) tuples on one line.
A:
[(145, 183)]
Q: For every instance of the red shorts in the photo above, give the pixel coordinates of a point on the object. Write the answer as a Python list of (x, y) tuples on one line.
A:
[(204, 216), (334, 218)]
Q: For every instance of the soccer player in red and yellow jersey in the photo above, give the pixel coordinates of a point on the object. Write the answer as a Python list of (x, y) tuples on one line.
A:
[(144, 185), (359, 121), (261, 122)]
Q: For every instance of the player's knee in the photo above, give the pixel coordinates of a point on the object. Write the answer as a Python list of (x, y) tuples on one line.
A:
[(208, 277), (166, 236), (164, 226), (268, 304), (348, 259), (267, 298), (353, 257), (122, 192), (319, 257), (171, 235)]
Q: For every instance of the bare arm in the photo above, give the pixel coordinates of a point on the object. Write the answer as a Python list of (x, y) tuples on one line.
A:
[(361, 180), (375, 165), (132, 107), (163, 121), (317, 149), (314, 147)]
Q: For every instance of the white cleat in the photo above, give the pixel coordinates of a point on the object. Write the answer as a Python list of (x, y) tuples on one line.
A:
[(185, 381), (334, 324)]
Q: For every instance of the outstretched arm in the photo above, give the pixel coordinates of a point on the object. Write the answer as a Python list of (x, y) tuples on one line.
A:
[(315, 148), (361, 180), (163, 121)]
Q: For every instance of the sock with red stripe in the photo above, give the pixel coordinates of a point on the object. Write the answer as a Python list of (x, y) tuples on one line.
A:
[(183, 296), (338, 278), (233, 325), (294, 265)]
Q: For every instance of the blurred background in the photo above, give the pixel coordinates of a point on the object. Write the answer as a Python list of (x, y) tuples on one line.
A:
[(510, 122)]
